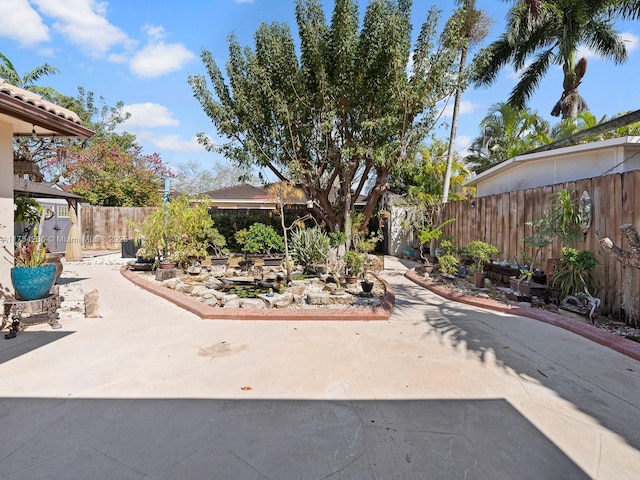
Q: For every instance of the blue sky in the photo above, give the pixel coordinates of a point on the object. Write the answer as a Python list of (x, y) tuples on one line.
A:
[(141, 51)]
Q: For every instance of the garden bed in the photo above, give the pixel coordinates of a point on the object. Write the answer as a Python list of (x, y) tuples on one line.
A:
[(312, 299), (496, 298)]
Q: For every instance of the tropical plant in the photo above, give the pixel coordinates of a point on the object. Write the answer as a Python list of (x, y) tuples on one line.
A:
[(310, 246), (343, 111), (481, 252), (27, 210), (262, 239), (576, 274), (422, 179), (32, 250), (179, 230), (475, 28), (540, 34), (28, 80), (562, 220), (505, 133)]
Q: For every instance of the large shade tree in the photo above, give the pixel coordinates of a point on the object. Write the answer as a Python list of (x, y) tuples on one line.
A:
[(542, 33), (346, 110)]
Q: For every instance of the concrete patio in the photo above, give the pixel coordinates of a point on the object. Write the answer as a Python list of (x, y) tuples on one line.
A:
[(440, 390)]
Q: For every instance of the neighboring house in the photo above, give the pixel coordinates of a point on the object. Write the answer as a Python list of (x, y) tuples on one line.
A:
[(561, 165), (23, 113), (240, 197), (245, 198)]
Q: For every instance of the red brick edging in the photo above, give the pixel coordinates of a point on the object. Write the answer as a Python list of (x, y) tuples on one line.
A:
[(615, 342), (207, 312)]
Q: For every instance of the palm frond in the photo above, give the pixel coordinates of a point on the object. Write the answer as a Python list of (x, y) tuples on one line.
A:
[(530, 78)]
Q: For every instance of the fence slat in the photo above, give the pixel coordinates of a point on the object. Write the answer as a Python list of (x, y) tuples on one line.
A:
[(501, 219)]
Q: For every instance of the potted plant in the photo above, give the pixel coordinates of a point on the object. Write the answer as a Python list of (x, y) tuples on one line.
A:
[(217, 242), (427, 236), (353, 262), (178, 230), (448, 266), (32, 277), (263, 240), (481, 252)]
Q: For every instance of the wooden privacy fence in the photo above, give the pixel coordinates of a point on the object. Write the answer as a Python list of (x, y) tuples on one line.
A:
[(104, 228), (501, 220)]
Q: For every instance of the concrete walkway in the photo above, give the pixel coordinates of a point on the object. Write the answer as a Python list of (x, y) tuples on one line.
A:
[(441, 390)]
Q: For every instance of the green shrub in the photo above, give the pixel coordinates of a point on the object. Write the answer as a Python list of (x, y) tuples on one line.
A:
[(353, 262), (577, 271), (262, 239)]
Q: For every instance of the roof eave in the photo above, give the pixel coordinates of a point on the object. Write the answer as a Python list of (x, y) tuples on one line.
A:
[(39, 117)]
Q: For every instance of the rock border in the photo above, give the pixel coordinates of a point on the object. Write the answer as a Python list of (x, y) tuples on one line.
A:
[(595, 334), (207, 312)]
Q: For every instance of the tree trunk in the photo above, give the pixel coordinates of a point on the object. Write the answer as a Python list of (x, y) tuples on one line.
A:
[(454, 127), (629, 257)]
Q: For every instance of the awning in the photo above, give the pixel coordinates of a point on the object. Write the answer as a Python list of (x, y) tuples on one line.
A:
[(27, 188)]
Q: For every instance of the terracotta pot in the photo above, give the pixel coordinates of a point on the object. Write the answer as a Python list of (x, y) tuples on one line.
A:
[(168, 265), (479, 278)]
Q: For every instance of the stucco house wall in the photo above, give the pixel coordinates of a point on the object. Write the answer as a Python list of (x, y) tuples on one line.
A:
[(6, 202), (23, 113), (567, 164)]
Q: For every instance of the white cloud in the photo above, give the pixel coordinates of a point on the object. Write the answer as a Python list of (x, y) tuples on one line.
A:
[(631, 41), (159, 59), (168, 142), (22, 23), (516, 74), (154, 32), (84, 24), (463, 142), (147, 115), (465, 107)]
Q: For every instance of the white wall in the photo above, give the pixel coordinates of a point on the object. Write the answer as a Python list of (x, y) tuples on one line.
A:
[(549, 168), (400, 239), (6, 206)]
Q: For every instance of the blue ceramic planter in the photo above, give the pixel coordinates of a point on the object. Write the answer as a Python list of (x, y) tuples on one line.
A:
[(33, 283)]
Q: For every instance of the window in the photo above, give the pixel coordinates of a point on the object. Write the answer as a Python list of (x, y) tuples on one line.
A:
[(63, 211)]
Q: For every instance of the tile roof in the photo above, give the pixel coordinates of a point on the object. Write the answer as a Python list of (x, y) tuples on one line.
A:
[(29, 112)]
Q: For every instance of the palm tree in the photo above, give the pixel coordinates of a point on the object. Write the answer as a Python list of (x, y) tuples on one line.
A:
[(28, 81), (423, 179), (506, 132), (27, 150), (475, 28), (548, 32)]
